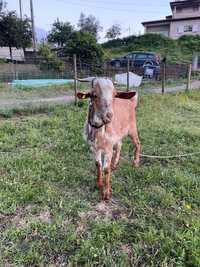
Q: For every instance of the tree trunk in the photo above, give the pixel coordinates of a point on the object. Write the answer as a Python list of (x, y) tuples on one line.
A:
[(12, 65), (11, 54)]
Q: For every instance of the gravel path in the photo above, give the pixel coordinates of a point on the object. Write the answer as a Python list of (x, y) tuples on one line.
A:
[(36, 102), (195, 85)]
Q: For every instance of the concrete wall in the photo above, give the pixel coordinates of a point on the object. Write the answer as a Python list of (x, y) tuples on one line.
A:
[(165, 29), (177, 28)]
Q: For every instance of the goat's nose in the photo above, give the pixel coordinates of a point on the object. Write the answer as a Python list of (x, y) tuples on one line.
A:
[(107, 118)]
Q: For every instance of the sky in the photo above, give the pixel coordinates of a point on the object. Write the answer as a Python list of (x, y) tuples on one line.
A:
[(128, 13)]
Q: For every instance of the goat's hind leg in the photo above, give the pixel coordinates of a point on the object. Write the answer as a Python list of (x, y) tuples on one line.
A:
[(116, 156), (136, 143)]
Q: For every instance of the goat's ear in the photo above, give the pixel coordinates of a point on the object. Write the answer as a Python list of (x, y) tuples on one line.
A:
[(125, 95), (83, 95)]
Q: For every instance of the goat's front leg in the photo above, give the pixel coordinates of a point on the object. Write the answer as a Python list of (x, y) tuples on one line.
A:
[(116, 156), (99, 182), (107, 170)]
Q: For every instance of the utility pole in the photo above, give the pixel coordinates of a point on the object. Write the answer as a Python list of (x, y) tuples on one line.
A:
[(33, 26), (20, 8)]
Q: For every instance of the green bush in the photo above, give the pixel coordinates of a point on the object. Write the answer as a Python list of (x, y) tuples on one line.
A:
[(49, 59), (85, 46)]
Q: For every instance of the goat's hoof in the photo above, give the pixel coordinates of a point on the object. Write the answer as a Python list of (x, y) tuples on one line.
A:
[(113, 167), (136, 164), (106, 196)]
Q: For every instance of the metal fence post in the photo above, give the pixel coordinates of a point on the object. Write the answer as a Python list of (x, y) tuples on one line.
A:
[(75, 78), (128, 76), (163, 77), (188, 87)]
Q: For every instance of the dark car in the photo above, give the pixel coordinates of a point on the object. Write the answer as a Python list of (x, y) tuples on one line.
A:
[(147, 60), (137, 59)]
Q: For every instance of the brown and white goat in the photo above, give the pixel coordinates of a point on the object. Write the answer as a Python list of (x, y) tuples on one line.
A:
[(111, 117)]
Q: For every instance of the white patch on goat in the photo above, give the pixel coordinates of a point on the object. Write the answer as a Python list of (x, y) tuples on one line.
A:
[(98, 157), (97, 119), (107, 88), (104, 159)]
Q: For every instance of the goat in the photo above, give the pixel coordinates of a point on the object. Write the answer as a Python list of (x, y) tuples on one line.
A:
[(111, 117)]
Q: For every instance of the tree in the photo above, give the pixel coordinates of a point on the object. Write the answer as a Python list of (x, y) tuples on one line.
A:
[(85, 46), (89, 24), (25, 33), (60, 33), (190, 43), (14, 31), (50, 60), (113, 32), (2, 5)]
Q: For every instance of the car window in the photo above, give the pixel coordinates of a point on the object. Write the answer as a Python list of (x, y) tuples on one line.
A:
[(129, 56), (152, 57), (141, 57)]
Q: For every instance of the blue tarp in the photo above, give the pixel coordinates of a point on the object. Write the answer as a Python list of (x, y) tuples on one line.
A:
[(40, 82)]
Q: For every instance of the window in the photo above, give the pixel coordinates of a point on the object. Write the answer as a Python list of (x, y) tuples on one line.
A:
[(188, 28), (178, 10), (152, 57), (195, 8), (141, 56)]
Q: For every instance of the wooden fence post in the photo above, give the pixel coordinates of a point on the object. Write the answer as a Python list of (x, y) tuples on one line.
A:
[(128, 76), (163, 77), (75, 78), (189, 77)]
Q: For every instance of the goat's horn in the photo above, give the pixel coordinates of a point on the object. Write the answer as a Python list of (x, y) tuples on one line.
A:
[(86, 80)]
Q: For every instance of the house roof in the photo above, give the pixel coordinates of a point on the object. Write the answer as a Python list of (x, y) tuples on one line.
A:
[(167, 21), (185, 3)]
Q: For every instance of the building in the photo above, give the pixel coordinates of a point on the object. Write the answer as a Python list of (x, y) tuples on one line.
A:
[(18, 54), (185, 20)]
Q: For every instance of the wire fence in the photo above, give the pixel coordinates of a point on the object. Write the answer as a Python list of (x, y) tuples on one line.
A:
[(41, 68)]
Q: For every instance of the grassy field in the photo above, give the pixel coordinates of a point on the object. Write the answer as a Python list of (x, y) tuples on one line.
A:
[(50, 214)]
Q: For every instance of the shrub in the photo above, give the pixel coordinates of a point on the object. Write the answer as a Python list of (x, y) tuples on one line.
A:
[(49, 59)]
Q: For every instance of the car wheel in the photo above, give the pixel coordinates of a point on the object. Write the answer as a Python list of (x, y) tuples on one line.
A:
[(148, 63)]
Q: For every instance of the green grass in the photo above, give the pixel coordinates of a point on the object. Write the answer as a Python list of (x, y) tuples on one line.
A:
[(50, 213)]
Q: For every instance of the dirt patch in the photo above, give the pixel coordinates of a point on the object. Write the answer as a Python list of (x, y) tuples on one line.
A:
[(103, 210), (126, 249), (23, 217)]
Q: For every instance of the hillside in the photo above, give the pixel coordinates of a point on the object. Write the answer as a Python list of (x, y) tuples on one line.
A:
[(176, 51)]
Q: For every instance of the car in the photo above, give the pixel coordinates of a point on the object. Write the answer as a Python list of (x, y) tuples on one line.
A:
[(136, 59), (149, 62)]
